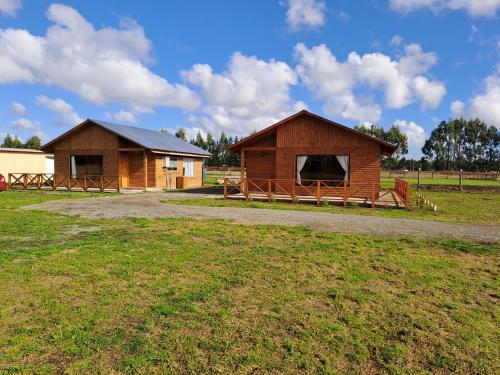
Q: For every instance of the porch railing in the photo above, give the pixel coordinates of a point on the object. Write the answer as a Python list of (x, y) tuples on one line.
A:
[(316, 189), (49, 181)]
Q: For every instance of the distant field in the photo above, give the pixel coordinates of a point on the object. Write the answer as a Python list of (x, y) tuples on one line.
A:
[(188, 296), (386, 181)]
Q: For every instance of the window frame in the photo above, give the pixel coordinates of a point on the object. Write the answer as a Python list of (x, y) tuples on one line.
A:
[(168, 160), (323, 154), (75, 176)]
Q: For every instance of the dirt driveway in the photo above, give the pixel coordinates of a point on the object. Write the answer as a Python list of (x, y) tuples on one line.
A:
[(149, 205)]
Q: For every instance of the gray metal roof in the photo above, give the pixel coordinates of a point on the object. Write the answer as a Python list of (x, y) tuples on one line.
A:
[(152, 139)]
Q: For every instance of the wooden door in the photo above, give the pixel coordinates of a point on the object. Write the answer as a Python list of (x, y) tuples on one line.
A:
[(123, 169)]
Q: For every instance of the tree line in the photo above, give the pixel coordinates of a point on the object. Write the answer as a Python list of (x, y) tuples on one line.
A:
[(217, 147), (34, 142)]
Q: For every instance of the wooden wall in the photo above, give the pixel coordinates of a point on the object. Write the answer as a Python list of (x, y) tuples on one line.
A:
[(306, 135), (89, 140), (95, 140)]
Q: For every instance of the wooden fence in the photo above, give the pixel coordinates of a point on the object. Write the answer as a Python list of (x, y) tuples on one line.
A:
[(448, 175), (48, 181), (318, 190)]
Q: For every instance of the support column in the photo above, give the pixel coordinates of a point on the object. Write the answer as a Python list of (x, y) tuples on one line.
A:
[(145, 161), (242, 171)]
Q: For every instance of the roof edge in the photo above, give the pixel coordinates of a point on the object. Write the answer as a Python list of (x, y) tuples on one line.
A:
[(305, 112)]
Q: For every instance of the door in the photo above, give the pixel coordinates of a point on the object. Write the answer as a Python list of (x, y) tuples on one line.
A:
[(123, 169)]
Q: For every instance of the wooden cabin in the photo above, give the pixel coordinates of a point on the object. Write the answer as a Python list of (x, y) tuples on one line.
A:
[(131, 156), (305, 154)]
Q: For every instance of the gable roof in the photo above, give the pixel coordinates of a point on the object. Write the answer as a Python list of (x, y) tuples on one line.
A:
[(149, 139), (386, 148)]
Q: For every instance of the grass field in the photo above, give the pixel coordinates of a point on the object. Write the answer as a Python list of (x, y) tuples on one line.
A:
[(452, 207), (184, 296), (389, 182)]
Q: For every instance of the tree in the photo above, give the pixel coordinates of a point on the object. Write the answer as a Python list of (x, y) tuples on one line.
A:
[(12, 142), (34, 143), (200, 142), (181, 133)]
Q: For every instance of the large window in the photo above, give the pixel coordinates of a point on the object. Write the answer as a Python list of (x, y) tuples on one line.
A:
[(171, 163), (81, 165), (333, 168), (188, 166)]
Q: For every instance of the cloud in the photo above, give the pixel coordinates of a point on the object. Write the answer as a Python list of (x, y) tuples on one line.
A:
[(125, 116), (249, 95), (18, 108), (401, 80), (475, 8), (101, 66), (10, 7), (484, 105), (415, 133), (67, 115), (306, 14), (25, 124), (396, 40)]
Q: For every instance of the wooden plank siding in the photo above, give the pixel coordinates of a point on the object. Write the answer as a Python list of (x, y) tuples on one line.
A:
[(306, 135), (121, 157)]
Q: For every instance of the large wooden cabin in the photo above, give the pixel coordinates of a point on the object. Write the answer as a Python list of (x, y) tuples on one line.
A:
[(135, 157), (305, 152)]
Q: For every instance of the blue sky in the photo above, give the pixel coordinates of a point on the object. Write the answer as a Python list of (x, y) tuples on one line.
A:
[(238, 66)]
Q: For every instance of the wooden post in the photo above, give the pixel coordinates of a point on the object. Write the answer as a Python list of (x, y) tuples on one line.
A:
[(432, 175), (9, 184), (460, 181), (85, 183), (245, 187), (38, 182), (373, 195), (318, 192), (101, 186), (225, 188), (242, 169), (119, 182), (269, 190), (293, 189), (418, 178), (68, 185), (54, 182), (25, 181), (145, 161), (344, 193)]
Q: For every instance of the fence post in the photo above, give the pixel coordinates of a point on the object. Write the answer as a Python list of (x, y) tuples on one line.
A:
[(101, 187), (85, 183), (318, 192), (418, 178), (373, 195), (293, 190), (245, 186), (9, 184), (225, 188), (25, 181), (344, 193), (54, 182), (460, 181), (269, 190)]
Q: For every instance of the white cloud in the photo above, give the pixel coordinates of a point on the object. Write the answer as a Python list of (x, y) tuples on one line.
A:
[(18, 108), (401, 80), (457, 108), (102, 66), (475, 8), (305, 14), (485, 105), (125, 116), (249, 95), (25, 124), (67, 115), (10, 7), (192, 132), (396, 40), (415, 133)]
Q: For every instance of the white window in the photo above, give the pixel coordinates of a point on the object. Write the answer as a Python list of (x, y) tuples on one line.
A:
[(171, 163), (188, 165)]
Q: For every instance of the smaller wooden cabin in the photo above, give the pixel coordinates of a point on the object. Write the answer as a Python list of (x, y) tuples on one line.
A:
[(16, 160), (305, 152), (136, 157)]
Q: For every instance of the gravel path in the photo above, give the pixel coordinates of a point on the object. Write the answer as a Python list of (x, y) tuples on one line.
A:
[(149, 205)]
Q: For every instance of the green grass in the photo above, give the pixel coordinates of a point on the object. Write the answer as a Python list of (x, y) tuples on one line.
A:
[(452, 207), (184, 296), (389, 182), (17, 198)]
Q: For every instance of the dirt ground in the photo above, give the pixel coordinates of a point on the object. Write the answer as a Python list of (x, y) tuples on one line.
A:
[(150, 205)]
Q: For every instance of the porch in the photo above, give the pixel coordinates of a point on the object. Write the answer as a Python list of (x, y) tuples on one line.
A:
[(318, 191)]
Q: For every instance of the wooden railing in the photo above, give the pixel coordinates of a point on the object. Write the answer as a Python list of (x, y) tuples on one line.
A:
[(48, 181), (317, 189), (402, 189)]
